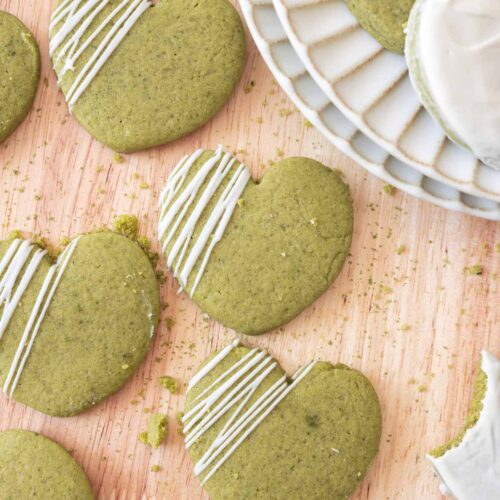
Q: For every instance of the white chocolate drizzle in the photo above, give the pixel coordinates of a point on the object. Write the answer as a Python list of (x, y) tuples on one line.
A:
[(23, 255), (11, 267), (235, 386), (76, 20), (471, 471), (176, 200)]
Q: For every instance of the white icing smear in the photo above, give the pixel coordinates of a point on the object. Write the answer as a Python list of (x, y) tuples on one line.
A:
[(73, 37), (23, 255), (471, 471), (177, 199), (235, 386), (458, 45)]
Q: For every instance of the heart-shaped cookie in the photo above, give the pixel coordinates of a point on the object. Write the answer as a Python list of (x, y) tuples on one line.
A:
[(72, 332), (252, 432), (137, 74), (253, 256), (19, 72)]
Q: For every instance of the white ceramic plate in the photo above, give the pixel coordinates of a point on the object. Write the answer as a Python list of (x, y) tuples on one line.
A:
[(371, 86), (293, 77)]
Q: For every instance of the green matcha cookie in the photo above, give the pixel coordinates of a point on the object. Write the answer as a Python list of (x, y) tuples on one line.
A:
[(255, 433), (72, 332), (254, 255), (35, 467), (138, 74), (385, 20), (19, 73)]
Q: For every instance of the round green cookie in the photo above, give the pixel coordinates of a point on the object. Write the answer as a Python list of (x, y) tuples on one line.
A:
[(172, 72), (254, 433), (19, 73), (33, 466), (385, 20), (89, 336), (254, 255)]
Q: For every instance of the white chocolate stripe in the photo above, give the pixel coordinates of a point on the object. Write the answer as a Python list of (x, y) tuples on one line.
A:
[(281, 396), (8, 256), (73, 41), (176, 180), (42, 302), (185, 200), (173, 212), (213, 363), (209, 415), (60, 12), (23, 255), (73, 19), (224, 375), (231, 431), (106, 49), (80, 19), (9, 298), (255, 367), (227, 208), (187, 231), (244, 391), (17, 256), (69, 63), (205, 405)]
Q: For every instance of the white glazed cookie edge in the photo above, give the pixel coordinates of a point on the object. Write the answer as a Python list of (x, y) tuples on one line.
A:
[(453, 55), (471, 471)]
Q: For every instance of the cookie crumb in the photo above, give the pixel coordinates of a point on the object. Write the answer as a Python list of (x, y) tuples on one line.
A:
[(249, 87), (170, 322), (475, 270), (388, 189), (127, 225), (157, 431), (178, 418), (118, 158), (170, 384), (15, 235)]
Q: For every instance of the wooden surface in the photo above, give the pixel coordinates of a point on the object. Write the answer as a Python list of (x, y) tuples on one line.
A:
[(415, 323)]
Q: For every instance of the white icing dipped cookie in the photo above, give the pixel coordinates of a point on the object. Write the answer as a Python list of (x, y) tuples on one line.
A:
[(470, 469), (453, 53)]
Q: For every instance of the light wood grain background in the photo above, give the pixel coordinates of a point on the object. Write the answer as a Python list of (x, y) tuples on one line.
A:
[(415, 323)]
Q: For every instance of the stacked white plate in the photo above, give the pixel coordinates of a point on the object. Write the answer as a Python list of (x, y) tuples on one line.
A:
[(360, 97)]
